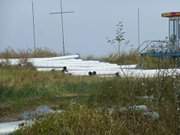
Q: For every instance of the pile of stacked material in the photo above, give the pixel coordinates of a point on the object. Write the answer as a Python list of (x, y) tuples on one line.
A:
[(73, 65)]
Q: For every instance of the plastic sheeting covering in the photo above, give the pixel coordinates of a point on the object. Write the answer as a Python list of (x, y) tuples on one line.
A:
[(73, 65), (9, 127)]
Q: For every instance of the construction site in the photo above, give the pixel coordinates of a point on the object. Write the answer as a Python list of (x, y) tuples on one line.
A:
[(72, 95)]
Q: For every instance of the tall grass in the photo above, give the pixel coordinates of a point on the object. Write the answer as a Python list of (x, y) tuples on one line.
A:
[(129, 58), (39, 52), (145, 62), (158, 63), (23, 88), (80, 120)]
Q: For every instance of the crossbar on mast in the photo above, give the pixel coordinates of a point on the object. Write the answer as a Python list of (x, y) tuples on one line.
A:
[(62, 24)]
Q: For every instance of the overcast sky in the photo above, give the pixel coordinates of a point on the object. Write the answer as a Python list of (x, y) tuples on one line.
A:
[(87, 30)]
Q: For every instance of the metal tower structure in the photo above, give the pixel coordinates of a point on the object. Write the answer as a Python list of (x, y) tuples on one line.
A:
[(169, 48)]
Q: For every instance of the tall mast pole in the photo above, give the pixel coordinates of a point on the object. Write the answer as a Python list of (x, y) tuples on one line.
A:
[(139, 35), (62, 24), (34, 25), (62, 27)]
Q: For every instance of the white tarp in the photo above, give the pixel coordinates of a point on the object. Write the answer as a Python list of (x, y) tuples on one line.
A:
[(9, 127), (39, 60), (130, 72), (73, 65)]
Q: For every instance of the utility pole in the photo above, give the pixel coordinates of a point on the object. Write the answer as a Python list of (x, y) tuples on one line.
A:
[(62, 24), (34, 25), (139, 35)]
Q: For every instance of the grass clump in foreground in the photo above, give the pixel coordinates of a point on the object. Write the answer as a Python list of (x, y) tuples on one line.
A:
[(81, 120), (78, 120)]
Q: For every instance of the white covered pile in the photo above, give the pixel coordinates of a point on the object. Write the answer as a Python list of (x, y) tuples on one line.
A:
[(73, 65)]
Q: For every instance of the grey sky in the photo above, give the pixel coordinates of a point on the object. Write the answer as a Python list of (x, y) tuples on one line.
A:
[(87, 29)]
